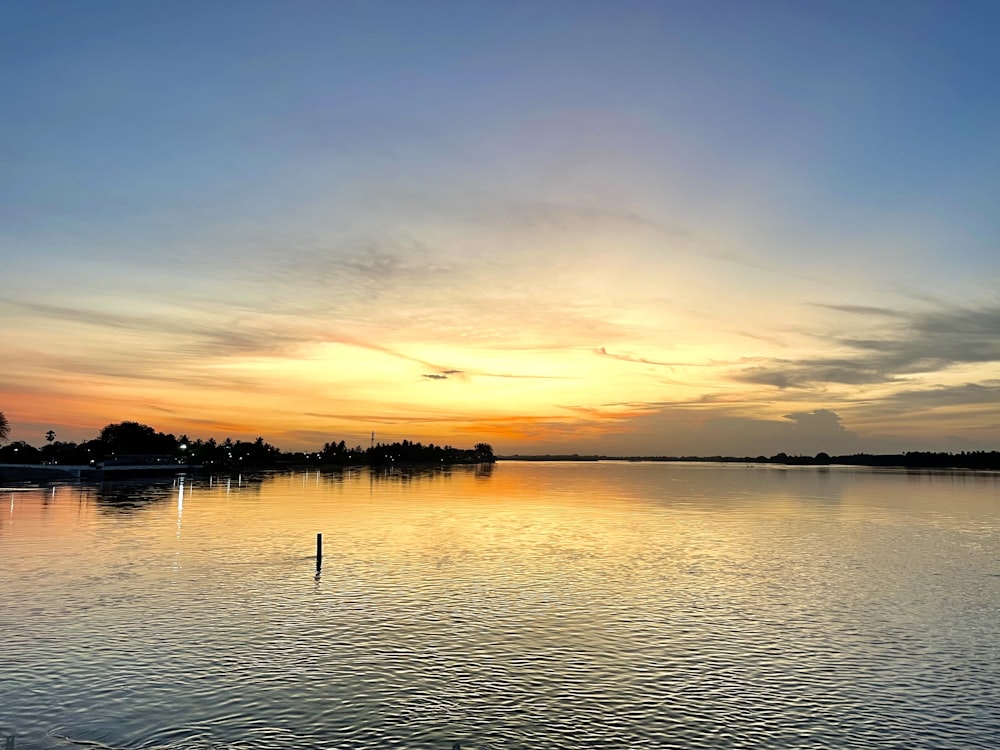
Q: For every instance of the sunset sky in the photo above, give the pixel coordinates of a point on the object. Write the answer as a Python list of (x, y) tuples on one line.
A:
[(618, 227)]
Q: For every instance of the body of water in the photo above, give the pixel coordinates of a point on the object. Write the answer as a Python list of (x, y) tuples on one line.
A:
[(527, 605)]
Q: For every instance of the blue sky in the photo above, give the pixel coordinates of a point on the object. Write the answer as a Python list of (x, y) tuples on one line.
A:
[(626, 227)]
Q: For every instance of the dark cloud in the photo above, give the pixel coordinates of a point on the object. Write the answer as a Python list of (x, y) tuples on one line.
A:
[(435, 376), (782, 374), (921, 342), (935, 339), (981, 321), (983, 397), (987, 392), (779, 375), (819, 422)]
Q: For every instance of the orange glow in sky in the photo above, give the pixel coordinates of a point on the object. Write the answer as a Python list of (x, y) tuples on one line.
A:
[(626, 231)]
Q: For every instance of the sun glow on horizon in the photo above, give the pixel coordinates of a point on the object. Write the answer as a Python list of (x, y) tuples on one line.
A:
[(693, 242)]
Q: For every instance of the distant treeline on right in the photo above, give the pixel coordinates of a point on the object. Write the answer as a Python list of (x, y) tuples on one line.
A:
[(978, 460), (910, 460)]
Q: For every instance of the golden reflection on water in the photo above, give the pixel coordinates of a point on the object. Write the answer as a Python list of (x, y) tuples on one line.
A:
[(565, 605), (544, 513)]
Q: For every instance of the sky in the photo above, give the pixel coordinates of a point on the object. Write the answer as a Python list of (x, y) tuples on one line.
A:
[(630, 228)]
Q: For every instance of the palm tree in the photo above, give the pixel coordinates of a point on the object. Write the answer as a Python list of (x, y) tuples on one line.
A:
[(4, 427)]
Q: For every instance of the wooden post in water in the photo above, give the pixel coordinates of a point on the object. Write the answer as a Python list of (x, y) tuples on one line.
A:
[(319, 552)]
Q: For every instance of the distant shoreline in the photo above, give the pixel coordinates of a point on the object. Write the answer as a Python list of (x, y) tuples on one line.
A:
[(132, 445), (974, 460)]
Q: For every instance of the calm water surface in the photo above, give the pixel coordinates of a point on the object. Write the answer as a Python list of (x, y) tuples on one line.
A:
[(607, 605)]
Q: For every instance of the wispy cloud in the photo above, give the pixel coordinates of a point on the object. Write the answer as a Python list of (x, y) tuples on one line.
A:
[(603, 352), (987, 392), (195, 336), (862, 310)]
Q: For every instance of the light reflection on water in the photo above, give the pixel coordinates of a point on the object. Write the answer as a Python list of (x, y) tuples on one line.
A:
[(536, 605)]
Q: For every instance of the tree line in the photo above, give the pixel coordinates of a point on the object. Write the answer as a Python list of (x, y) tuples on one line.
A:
[(133, 438), (122, 440), (977, 460)]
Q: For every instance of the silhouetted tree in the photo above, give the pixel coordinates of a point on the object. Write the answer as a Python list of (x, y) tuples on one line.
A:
[(65, 453), (4, 427), (334, 452), (133, 437), (19, 452), (50, 436), (257, 453)]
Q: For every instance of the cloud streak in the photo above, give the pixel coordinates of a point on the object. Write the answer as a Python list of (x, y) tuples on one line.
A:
[(603, 352)]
